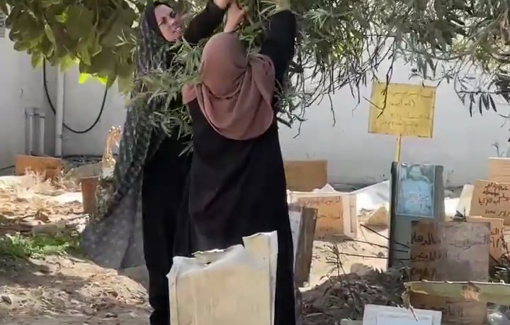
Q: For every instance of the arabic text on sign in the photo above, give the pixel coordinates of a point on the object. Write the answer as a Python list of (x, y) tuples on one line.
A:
[(400, 109)]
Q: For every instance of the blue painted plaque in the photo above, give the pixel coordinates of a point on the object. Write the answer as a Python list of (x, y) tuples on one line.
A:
[(415, 188), (417, 194)]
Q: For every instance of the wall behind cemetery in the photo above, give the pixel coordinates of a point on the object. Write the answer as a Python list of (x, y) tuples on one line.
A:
[(19, 87), (22, 87), (461, 143)]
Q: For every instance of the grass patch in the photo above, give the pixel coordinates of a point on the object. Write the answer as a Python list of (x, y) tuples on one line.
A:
[(19, 246)]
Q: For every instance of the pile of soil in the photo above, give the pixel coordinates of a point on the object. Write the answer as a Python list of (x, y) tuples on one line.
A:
[(30, 205), (344, 297), (67, 290)]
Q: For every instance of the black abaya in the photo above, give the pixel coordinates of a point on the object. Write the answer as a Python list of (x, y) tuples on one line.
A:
[(164, 178), (238, 188)]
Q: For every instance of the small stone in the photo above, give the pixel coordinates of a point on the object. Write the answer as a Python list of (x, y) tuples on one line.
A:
[(6, 299), (59, 302), (379, 218), (111, 315), (113, 293)]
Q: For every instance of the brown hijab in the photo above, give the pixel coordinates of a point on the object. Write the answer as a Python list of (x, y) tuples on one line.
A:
[(236, 91)]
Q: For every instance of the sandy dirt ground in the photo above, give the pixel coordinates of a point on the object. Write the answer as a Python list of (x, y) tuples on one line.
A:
[(64, 290), (71, 291)]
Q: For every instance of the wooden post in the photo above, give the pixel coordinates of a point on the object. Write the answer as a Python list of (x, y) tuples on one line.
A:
[(399, 148)]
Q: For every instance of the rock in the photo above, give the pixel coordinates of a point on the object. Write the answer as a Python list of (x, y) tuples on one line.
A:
[(110, 315), (89, 170), (351, 322), (59, 303), (138, 274), (41, 216), (379, 218), (318, 303), (6, 299), (49, 229), (360, 269)]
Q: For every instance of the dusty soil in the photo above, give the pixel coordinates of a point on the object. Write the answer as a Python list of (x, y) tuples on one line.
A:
[(72, 291), (66, 290), (58, 289), (30, 205), (368, 249)]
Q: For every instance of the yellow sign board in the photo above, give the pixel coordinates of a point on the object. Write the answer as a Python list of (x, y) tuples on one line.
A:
[(402, 110)]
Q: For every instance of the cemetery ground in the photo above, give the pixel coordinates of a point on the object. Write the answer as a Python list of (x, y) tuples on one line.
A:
[(64, 288), (67, 289), (45, 280)]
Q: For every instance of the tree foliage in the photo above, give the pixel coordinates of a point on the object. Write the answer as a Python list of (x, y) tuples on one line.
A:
[(98, 35), (342, 43)]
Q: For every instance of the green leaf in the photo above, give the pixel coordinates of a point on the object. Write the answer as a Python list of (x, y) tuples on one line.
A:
[(62, 18), (110, 81), (27, 26), (95, 47), (80, 21), (46, 47), (37, 59), (438, 7), (21, 46), (13, 15), (49, 3), (103, 63), (66, 63), (485, 100), (103, 80), (114, 34), (125, 85), (125, 71), (13, 36), (65, 45), (84, 77), (49, 34), (492, 103), (85, 55), (125, 53), (85, 47), (128, 16), (3, 7)]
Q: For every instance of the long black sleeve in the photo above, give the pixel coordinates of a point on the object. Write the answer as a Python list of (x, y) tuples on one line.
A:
[(279, 41), (204, 24)]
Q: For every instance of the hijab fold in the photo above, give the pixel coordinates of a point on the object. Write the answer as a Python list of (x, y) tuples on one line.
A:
[(236, 90)]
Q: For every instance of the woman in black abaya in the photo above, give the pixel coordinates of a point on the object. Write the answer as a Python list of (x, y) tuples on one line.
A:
[(237, 181), (138, 219)]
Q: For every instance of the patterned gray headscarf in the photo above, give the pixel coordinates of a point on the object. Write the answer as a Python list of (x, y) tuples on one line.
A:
[(114, 238), (139, 141)]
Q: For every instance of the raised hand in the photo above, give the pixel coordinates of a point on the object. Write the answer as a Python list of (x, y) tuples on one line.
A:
[(235, 16), (223, 4)]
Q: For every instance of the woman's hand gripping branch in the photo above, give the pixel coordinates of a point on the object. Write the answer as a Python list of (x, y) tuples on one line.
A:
[(235, 16)]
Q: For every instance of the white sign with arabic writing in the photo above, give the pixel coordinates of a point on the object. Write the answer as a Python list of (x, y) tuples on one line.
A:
[(386, 315)]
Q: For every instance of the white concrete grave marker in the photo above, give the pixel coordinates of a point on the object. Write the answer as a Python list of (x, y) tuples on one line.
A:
[(226, 287)]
